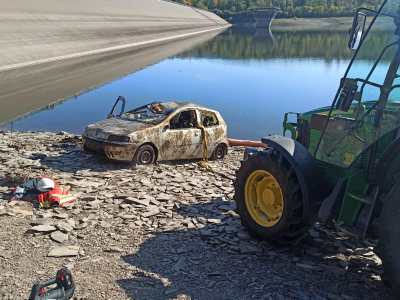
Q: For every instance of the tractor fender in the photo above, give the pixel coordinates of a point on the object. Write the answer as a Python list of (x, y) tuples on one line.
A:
[(303, 164)]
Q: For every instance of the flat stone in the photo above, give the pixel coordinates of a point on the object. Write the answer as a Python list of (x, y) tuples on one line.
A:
[(114, 250), (105, 224), (21, 208), (246, 248), (61, 216), (150, 213), (64, 226), (88, 198), (44, 228), (42, 221), (64, 251), (164, 197), (132, 200), (308, 267), (59, 236), (81, 226), (214, 221), (243, 235)]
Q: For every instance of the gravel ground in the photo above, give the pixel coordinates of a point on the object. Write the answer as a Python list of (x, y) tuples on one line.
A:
[(169, 231)]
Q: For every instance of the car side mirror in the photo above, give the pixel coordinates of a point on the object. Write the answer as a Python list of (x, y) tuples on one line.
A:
[(347, 95), (357, 30)]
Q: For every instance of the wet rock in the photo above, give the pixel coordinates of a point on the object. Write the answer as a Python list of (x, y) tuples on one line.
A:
[(64, 251)]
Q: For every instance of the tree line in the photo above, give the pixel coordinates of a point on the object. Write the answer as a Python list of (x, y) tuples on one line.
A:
[(239, 44), (289, 8)]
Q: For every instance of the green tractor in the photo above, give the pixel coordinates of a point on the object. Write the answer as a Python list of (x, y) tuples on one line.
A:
[(340, 162)]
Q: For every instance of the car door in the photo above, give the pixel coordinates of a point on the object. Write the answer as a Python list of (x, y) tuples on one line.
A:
[(181, 139), (214, 130)]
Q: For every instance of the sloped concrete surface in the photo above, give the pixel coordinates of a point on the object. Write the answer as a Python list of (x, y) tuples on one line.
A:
[(32, 31), (51, 50)]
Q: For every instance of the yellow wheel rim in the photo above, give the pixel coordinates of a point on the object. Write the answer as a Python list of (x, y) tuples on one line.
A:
[(264, 198)]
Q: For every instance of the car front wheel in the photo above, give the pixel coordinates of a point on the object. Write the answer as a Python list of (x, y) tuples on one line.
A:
[(145, 155)]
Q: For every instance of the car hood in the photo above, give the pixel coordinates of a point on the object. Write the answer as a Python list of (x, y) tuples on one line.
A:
[(114, 126)]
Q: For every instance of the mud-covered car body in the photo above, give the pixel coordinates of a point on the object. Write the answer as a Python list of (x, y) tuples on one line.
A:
[(174, 129)]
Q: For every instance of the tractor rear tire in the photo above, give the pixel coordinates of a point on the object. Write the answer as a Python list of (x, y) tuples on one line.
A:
[(269, 198), (389, 238)]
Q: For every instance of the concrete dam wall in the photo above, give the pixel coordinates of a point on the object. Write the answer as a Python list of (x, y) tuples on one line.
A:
[(54, 49), (37, 30)]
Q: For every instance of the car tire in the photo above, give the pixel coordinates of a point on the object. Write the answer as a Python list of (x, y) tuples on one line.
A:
[(219, 152), (145, 155)]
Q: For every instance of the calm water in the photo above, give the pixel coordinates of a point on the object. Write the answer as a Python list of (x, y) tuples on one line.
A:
[(249, 77)]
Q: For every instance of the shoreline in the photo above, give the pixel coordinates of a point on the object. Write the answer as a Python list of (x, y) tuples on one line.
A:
[(155, 232), (330, 24)]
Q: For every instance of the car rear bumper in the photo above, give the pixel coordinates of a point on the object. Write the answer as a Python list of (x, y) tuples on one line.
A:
[(119, 152)]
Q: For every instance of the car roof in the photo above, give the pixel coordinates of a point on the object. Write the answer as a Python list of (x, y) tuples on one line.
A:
[(175, 105)]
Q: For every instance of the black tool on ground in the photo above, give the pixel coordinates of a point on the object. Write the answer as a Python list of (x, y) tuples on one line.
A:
[(60, 288)]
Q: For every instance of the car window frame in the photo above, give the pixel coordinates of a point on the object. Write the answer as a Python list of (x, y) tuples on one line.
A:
[(210, 112), (181, 111)]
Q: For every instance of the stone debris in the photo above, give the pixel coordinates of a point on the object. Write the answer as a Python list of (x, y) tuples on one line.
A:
[(161, 231), (43, 228), (64, 251), (59, 236)]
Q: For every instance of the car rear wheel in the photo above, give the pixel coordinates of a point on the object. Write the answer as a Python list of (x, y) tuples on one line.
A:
[(145, 155), (219, 152)]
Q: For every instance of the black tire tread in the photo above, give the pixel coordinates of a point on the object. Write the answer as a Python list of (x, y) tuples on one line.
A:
[(389, 238), (293, 227), (141, 148)]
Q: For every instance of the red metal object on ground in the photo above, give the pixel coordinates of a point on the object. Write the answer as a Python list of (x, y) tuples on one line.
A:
[(246, 143)]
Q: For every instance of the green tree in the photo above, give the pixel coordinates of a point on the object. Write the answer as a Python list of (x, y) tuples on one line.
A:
[(289, 8)]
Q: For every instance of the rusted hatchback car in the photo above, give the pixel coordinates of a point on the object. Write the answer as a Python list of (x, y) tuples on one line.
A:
[(159, 131)]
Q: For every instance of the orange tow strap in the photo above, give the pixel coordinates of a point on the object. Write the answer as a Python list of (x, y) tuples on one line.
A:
[(246, 143)]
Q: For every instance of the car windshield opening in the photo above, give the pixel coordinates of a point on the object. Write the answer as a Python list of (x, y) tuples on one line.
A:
[(153, 113)]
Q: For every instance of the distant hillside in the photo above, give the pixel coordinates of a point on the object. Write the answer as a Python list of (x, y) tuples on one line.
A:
[(290, 8)]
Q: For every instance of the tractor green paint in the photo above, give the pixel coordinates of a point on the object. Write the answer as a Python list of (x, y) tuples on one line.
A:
[(340, 160)]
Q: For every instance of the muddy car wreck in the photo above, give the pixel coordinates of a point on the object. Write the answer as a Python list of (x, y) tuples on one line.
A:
[(158, 131)]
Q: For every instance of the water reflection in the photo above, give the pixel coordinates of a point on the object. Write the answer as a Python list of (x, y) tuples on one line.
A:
[(251, 77), (247, 43)]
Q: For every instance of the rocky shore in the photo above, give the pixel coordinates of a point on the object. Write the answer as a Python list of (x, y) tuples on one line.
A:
[(169, 231)]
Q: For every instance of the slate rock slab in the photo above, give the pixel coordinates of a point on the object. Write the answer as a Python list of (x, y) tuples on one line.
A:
[(64, 251)]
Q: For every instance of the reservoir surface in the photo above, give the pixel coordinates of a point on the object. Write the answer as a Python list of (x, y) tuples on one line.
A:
[(252, 78)]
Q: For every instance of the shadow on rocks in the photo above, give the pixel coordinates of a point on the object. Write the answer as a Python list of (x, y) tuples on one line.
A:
[(71, 157), (210, 256)]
